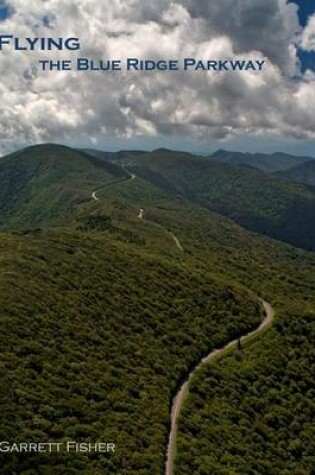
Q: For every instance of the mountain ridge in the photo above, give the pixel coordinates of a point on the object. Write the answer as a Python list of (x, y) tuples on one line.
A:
[(103, 315), (268, 163), (256, 200), (303, 173), (58, 181)]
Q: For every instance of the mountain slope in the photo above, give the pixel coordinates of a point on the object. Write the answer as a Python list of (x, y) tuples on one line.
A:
[(102, 319), (95, 336), (46, 184), (112, 156), (267, 163), (243, 416), (253, 199), (304, 173), (49, 184)]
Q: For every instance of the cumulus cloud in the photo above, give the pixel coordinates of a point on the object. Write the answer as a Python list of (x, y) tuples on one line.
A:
[(308, 36), (42, 106), (268, 26)]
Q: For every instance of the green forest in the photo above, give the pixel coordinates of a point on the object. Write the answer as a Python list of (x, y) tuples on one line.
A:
[(92, 346), (253, 413), (103, 315)]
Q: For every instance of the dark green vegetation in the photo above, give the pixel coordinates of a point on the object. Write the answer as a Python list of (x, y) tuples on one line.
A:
[(304, 173), (46, 185), (253, 413), (92, 347), (112, 156), (267, 163), (253, 199), (102, 316)]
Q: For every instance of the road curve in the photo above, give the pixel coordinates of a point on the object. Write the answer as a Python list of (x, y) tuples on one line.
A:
[(182, 393), (131, 175), (94, 196)]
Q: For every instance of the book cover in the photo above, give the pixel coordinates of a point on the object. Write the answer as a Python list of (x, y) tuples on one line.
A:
[(157, 237)]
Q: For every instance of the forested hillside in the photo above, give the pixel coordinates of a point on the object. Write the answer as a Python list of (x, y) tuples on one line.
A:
[(103, 314), (45, 185), (304, 173), (96, 335), (253, 199), (275, 162), (254, 412)]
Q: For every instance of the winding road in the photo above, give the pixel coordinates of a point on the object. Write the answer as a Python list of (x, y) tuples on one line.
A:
[(94, 196), (132, 176), (179, 399)]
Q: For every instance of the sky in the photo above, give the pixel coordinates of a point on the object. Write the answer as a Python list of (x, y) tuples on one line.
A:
[(264, 111)]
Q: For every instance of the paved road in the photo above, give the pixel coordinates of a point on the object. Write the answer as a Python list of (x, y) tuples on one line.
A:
[(177, 242), (180, 397), (132, 175), (94, 196)]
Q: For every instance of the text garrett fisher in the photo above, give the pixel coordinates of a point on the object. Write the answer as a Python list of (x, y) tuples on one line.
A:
[(52, 447)]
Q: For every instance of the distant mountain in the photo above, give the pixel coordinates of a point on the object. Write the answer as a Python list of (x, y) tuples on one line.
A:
[(260, 202), (50, 184), (103, 315), (304, 173), (103, 155), (267, 163)]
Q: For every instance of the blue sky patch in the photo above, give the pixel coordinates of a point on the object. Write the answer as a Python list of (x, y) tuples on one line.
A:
[(5, 10), (306, 8), (4, 13), (307, 60)]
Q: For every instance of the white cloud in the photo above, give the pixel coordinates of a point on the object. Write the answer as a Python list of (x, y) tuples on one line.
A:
[(308, 36), (54, 106)]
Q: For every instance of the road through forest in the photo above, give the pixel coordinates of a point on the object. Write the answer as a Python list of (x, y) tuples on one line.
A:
[(179, 399)]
